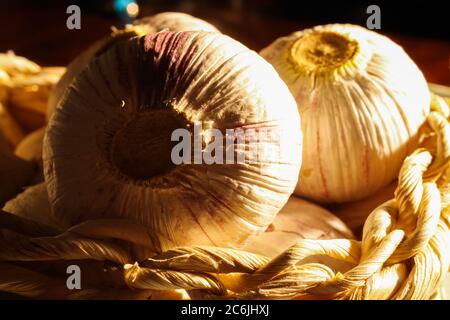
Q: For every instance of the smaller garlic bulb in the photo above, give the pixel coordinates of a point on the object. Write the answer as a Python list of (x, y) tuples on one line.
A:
[(30, 148), (446, 286), (165, 21), (14, 172), (32, 204), (362, 101), (299, 219)]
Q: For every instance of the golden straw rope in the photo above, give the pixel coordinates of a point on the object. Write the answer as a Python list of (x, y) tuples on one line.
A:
[(403, 253)]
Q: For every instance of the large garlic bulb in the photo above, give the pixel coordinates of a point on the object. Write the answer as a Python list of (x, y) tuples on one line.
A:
[(171, 21), (362, 101), (107, 150)]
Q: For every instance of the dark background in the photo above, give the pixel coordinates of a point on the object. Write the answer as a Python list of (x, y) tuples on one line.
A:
[(37, 29)]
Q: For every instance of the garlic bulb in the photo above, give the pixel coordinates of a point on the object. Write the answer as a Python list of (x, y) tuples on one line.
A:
[(299, 219), (28, 96), (362, 101), (30, 148), (32, 204), (108, 148), (14, 172), (171, 21)]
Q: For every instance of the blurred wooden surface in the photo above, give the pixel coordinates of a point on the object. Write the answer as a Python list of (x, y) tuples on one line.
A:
[(41, 34)]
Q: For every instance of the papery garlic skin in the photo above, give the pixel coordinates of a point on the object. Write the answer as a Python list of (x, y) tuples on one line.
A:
[(105, 151), (361, 100), (165, 21)]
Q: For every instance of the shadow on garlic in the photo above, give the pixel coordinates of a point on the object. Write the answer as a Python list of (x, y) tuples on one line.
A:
[(362, 101)]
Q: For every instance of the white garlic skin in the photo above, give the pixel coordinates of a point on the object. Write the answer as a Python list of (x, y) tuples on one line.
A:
[(207, 77), (359, 120)]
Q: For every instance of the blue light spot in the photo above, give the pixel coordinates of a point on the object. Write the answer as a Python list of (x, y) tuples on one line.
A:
[(121, 5)]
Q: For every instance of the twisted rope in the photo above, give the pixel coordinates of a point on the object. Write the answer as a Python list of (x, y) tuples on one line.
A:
[(403, 253)]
